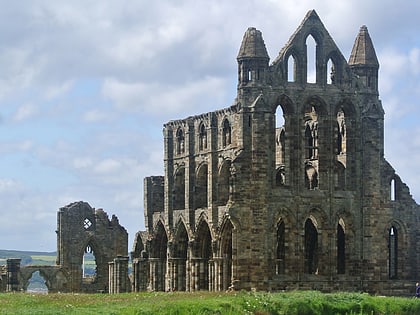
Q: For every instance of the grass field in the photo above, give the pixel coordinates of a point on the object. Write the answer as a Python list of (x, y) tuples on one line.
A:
[(291, 303)]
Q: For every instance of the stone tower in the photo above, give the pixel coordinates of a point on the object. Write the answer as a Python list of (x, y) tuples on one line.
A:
[(287, 188)]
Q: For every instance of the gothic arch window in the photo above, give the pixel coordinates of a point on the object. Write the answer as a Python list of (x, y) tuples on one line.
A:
[(223, 183), (291, 69), (226, 133), (311, 47), (201, 186), (280, 176), (341, 248), (392, 190), (330, 72), (226, 255), (280, 145), (311, 247), (204, 254), (280, 248), (202, 137), (311, 132), (311, 177), (89, 266), (180, 141), (341, 136), (180, 262), (178, 193), (393, 252), (159, 262)]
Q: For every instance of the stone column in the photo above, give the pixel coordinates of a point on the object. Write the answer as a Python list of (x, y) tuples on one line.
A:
[(118, 275), (211, 275), (13, 270)]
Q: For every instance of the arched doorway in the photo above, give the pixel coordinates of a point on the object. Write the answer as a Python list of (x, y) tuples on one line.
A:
[(37, 283), (226, 255), (203, 256)]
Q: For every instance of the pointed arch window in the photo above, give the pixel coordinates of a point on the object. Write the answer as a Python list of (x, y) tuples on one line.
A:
[(280, 146), (179, 264), (341, 132), (291, 69), (311, 47), (180, 141), (341, 248), (392, 190), (280, 248), (178, 194), (393, 252), (201, 187), (311, 177), (330, 72), (227, 255), (311, 247), (223, 183), (226, 133), (202, 137), (89, 264)]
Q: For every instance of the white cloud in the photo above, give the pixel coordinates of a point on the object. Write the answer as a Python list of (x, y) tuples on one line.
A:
[(155, 62), (157, 99), (26, 111)]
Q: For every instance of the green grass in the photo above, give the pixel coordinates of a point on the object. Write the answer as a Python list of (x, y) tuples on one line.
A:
[(259, 303)]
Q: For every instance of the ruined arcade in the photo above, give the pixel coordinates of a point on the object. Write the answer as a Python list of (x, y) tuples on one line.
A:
[(287, 188)]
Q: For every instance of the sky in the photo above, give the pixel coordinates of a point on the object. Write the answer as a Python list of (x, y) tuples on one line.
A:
[(86, 86)]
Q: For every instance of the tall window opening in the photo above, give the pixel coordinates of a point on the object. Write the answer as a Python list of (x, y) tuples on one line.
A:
[(178, 194), (393, 252), (311, 59), (158, 259), (202, 137), (291, 69), (223, 183), (179, 264), (180, 141), (89, 264), (330, 72), (280, 250), (37, 283), (392, 187), (226, 252), (341, 248), (311, 132), (205, 255), (201, 187), (280, 137), (311, 248), (341, 132), (226, 133), (311, 177)]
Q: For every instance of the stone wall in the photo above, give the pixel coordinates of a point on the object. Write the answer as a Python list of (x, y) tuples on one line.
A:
[(245, 203)]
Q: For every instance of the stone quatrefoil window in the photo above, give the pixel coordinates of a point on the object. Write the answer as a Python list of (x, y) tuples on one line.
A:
[(87, 223)]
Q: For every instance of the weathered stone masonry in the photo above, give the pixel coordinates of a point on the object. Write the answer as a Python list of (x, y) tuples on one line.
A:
[(246, 203), (80, 228)]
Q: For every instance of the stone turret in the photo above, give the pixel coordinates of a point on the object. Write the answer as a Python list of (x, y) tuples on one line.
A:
[(252, 59), (363, 60)]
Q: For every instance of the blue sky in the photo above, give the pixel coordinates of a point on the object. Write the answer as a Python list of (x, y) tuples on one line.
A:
[(86, 86)]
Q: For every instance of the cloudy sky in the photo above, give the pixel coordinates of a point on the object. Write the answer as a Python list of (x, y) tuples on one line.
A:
[(85, 87)]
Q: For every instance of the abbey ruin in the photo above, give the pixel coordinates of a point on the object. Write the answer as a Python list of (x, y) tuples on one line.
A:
[(287, 188), (310, 204)]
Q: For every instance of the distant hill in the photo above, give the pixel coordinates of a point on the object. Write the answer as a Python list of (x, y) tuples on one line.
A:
[(28, 257)]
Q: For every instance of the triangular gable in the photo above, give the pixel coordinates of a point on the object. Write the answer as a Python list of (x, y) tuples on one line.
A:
[(326, 50)]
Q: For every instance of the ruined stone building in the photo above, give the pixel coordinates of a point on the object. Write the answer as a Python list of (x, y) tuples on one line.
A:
[(287, 188), (80, 229)]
